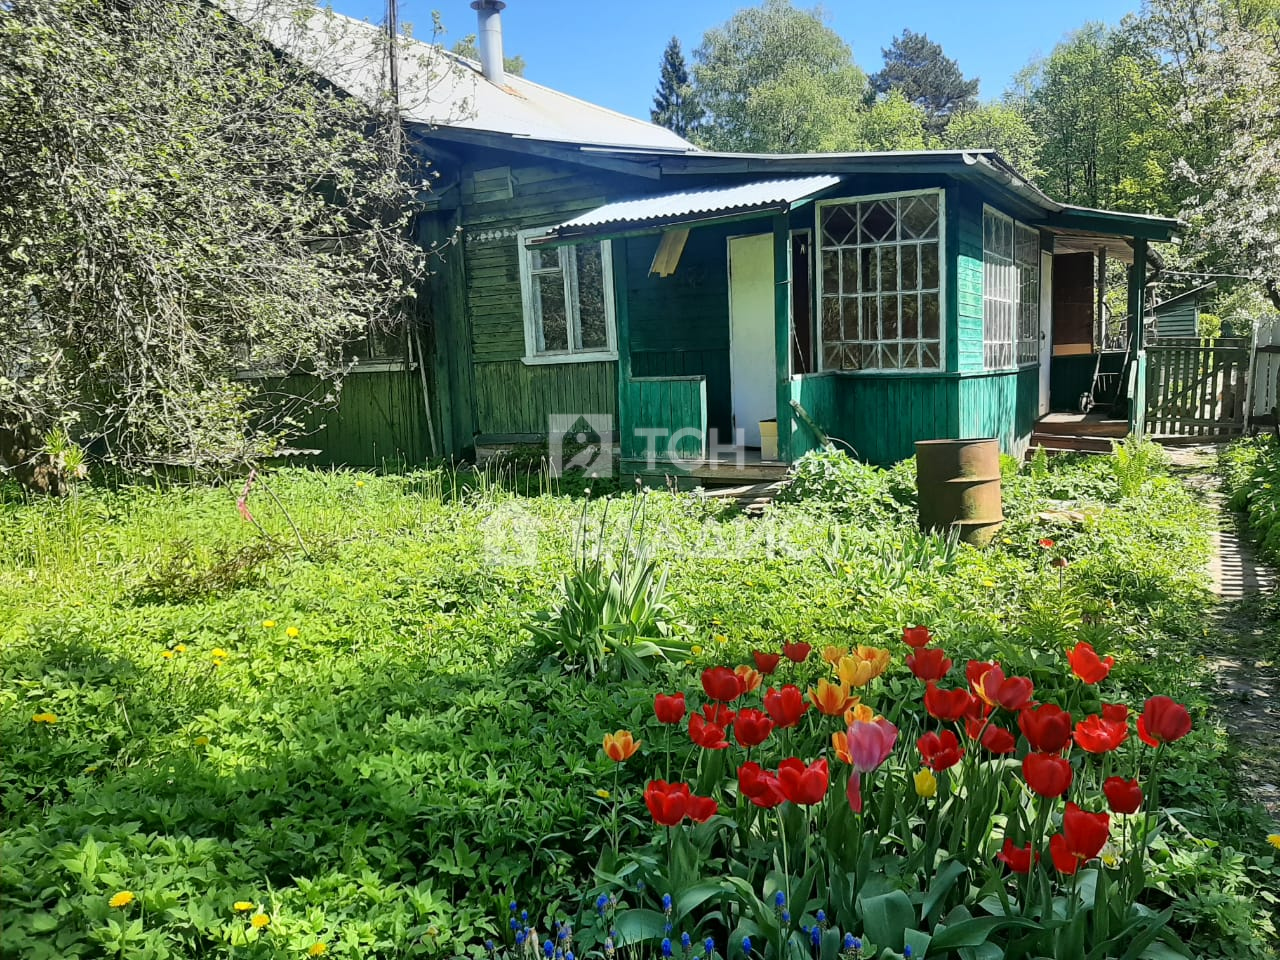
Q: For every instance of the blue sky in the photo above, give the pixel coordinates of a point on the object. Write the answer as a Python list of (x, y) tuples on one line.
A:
[(608, 51)]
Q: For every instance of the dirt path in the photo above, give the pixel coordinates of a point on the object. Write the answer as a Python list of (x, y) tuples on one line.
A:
[(1245, 647)]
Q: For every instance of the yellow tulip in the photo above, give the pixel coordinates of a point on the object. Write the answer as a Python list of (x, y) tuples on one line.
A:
[(926, 783)]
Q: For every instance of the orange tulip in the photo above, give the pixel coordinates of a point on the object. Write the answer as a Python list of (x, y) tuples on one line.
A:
[(862, 666), (620, 746), (750, 678), (840, 744), (830, 698), (861, 712), (833, 654)]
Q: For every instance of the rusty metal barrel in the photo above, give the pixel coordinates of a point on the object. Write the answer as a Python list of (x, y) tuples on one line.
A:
[(958, 482)]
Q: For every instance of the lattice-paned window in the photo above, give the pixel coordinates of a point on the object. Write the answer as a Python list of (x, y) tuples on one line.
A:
[(1026, 257), (1010, 292), (568, 300), (881, 283)]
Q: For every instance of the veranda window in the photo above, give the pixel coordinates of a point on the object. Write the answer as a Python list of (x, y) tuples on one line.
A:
[(881, 282), (1010, 291), (568, 301)]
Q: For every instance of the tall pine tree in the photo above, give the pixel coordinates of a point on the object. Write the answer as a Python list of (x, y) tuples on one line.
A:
[(917, 67), (673, 104)]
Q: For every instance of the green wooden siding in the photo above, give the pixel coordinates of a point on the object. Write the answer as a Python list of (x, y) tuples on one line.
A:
[(1001, 405), (968, 281), (675, 405), (880, 416), (378, 420), (680, 323), (513, 398), (1178, 320)]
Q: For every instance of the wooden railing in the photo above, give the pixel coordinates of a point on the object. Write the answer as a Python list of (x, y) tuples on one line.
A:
[(665, 417), (1196, 387)]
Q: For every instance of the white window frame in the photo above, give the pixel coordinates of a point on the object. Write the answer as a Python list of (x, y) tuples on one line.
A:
[(1013, 300), (943, 280), (532, 311)]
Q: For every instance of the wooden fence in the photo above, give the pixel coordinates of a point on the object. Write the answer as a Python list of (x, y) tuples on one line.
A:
[(1264, 378), (1197, 387)]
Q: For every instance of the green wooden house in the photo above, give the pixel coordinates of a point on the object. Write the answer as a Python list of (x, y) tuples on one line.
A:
[(599, 275)]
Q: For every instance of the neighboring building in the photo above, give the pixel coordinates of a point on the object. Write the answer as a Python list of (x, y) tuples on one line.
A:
[(608, 272), (1179, 316)]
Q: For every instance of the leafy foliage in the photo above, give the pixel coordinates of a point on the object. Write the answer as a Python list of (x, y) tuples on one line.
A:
[(180, 202), (674, 105)]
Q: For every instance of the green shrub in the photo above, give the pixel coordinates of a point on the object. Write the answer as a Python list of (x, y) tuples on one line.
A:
[(849, 489)]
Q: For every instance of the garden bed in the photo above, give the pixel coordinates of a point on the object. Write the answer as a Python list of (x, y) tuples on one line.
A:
[(348, 741)]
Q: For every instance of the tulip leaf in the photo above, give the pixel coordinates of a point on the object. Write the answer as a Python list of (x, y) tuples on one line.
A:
[(946, 878), (688, 899), (886, 917), (977, 931), (635, 926)]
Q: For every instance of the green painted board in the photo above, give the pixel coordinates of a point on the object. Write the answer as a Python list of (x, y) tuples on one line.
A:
[(512, 397), (664, 418)]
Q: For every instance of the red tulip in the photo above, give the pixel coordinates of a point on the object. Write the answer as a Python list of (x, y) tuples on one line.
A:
[(1115, 713), (930, 663), (1086, 664), (702, 809), (1046, 727), (786, 706), (707, 735), (668, 802), (1047, 774), (945, 704), (669, 708), (974, 669), (718, 713), (766, 663), (998, 740), (1097, 735), (721, 683), (1012, 693), (1017, 859), (759, 786), (803, 785), (1083, 836), (1163, 721), (1123, 796), (751, 727), (940, 751), (916, 637), (796, 652)]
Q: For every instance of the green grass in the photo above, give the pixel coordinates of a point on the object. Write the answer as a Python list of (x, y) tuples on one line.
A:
[(387, 779)]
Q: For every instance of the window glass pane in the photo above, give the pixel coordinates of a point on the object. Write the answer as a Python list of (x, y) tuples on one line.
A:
[(544, 258), (551, 310), (591, 294), (877, 256)]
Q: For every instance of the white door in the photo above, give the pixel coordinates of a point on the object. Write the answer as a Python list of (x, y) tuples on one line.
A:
[(752, 372), (1046, 328)]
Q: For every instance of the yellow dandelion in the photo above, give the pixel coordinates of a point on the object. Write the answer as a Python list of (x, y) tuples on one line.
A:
[(1274, 840), (121, 900), (44, 718), (602, 794), (181, 648), (359, 483), (91, 768), (268, 624), (202, 742), (168, 654), (292, 633), (259, 921), (217, 653), (696, 650), (721, 638), (988, 583), (317, 949), (242, 906)]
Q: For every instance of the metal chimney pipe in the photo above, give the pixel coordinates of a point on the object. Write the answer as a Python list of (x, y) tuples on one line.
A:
[(489, 33)]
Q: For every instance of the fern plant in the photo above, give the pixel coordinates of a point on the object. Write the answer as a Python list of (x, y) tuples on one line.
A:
[(1134, 460), (612, 617)]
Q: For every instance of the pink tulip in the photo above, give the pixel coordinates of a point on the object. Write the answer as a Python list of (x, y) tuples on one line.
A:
[(869, 746)]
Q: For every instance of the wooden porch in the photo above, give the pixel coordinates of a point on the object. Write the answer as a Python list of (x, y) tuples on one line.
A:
[(1078, 432), (718, 467)]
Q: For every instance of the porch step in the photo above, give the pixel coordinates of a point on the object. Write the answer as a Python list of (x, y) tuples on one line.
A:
[(752, 498), (1062, 443), (1076, 425)]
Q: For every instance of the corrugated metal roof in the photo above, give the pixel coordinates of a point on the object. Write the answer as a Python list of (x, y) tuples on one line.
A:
[(762, 194), (439, 88)]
